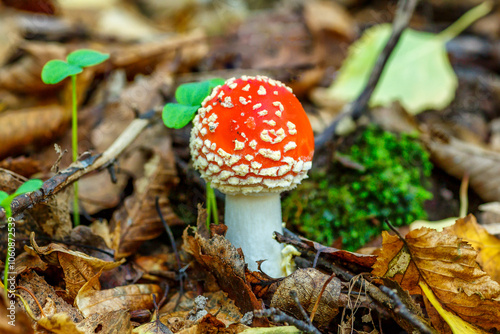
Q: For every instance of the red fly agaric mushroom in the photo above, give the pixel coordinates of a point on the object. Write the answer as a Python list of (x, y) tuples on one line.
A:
[(252, 140)]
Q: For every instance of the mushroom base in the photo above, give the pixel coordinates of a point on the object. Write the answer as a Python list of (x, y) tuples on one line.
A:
[(251, 221)]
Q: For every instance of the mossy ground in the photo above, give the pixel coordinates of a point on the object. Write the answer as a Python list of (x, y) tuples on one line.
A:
[(390, 183)]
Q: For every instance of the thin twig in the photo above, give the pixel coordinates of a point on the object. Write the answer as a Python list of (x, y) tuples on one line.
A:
[(357, 107), (401, 309), (169, 233), (278, 316), (316, 304), (293, 294)]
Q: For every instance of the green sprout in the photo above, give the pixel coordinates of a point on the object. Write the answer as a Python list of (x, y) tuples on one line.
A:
[(5, 201), (177, 115), (56, 71)]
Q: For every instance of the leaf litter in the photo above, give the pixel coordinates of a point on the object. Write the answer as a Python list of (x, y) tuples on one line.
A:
[(121, 275)]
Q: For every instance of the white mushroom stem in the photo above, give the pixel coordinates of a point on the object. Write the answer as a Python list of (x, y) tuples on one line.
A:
[(251, 221)]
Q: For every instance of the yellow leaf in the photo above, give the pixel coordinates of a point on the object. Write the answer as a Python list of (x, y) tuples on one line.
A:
[(457, 325), (486, 244)]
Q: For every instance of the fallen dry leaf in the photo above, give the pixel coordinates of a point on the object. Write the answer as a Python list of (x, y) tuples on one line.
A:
[(308, 283), (24, 75), (107, 323), (130, 297), (138, 220), (222, 259), (30, 128), (459, 158), (78, 267), (447, 264), (59, 323), (42, 290), (487, 245)]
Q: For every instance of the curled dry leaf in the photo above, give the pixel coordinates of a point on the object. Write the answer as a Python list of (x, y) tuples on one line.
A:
[(308, 283), (31, 127), (447, 264), (224, 261), (487, 245), (59, 323), (459, 158), (130, 297), (78, 267)]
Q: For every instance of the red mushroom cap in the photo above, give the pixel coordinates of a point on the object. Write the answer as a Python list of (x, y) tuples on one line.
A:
[(252, 135)]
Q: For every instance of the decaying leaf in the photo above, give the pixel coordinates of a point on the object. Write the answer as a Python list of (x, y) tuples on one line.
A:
[(78, 267), (456, 324), (459, 158), (107, 323), (42, 291), (59, 323), (226, 264), (130, 297), (487, 245), (308, 283), (138, 220), (447, 264)]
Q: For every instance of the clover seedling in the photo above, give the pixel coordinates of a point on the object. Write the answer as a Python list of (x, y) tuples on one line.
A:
[(5, 201), (56, 71), (177, 115)]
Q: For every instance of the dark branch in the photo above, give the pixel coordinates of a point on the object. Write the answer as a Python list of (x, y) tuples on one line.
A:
[(357, 107)]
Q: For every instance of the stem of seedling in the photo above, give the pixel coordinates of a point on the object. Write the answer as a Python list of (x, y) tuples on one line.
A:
[(211, 206), (466, 20), (76, 207)]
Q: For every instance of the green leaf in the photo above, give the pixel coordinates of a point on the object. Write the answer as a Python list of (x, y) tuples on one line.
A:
[(418, 74), (215, 82), (178, 115), (193, 94), (57, 70), (3, 196), (29, 186), (86, 57)]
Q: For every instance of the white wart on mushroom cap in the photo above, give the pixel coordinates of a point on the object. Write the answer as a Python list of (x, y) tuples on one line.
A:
[(252, 135)]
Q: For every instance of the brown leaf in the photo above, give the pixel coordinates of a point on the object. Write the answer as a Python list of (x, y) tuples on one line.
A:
[(42, 290), (24, 76), (308, 283), (223, 260), (31, 127), (138, 220), (487, 245), (459, 158), (78, 267), (342, 256), (448, 266), (59, 323), (21, 165), (107, 323), (130, 297)]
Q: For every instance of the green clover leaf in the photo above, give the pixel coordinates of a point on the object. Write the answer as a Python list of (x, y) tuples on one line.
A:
[(57, 70), (86, 57), (178, 116)]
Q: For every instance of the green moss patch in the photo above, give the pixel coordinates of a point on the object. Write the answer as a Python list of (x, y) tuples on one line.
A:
[(389, 182)]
